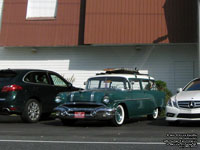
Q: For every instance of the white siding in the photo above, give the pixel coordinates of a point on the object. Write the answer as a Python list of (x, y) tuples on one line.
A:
[(163, 62), (1, 9)]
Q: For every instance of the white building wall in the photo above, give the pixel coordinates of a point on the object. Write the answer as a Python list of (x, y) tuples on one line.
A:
[(174, 64), (1, 9)]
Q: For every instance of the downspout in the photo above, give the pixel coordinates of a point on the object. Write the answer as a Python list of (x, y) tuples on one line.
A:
[(198, 35), (82, 22)]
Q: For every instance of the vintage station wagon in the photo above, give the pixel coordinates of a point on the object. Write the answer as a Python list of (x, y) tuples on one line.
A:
[(115, 95)]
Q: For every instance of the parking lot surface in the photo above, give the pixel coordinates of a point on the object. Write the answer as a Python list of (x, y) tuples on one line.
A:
[(135, 134)]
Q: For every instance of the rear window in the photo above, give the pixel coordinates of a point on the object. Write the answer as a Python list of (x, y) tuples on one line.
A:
[(6, 75)]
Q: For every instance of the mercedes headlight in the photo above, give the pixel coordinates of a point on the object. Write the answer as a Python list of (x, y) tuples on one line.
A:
[(169, 103), (172, 103)]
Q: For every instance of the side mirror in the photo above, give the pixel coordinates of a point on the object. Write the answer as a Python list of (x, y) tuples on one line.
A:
[(85, 83), (69, 85), (179, 90)]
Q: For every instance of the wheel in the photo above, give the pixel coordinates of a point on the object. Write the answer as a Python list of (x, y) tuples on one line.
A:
[(32, 111), (119, 116), (68, 122), (155, 114)]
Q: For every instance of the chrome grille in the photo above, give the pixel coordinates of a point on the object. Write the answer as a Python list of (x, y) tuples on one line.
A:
[(189, 104), (83, 105)]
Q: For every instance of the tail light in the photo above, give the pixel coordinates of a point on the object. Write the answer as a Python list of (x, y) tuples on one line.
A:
[(10, 88)]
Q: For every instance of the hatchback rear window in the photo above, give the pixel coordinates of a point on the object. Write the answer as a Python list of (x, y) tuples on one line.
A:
[(7, 75)]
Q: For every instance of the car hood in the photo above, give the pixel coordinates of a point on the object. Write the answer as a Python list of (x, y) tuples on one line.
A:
[(91, 95), (188, 95)]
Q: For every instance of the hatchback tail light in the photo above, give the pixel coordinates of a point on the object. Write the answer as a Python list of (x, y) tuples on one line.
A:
[(10, 88)]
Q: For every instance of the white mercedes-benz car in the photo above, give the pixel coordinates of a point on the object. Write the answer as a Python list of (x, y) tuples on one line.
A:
[(185, 105)]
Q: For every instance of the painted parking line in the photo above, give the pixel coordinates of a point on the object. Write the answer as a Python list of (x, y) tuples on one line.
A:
[(84, 142)]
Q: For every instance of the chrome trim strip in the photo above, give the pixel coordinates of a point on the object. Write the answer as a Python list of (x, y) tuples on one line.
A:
[(139, 99), (72, 96), (2, 99), (92, 96)]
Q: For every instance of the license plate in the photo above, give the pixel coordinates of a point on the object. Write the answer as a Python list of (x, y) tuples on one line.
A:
[(79, 115)]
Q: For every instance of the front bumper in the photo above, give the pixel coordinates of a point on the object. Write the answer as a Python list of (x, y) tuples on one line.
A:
[(91, 111), (184, 114)]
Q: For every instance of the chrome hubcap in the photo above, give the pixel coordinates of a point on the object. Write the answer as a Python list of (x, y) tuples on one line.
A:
[(33, 111)]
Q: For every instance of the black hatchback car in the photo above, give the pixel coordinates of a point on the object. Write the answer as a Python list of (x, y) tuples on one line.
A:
[(30, 93)]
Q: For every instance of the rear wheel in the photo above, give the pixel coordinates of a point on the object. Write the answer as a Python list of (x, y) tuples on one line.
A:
[(155, 114), (32, 111), (119, 116)]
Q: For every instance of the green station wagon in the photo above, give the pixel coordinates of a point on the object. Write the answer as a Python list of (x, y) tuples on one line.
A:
[(115, 95)]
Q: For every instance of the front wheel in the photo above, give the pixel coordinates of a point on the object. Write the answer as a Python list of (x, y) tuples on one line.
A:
[(155, 114), (32, 111), (119, 116)]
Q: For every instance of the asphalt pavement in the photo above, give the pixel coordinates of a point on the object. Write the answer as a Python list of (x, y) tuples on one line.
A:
[(135, 134)]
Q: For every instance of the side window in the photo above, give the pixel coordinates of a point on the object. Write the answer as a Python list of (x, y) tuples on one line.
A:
[(136, 85), (117, 84), (57, 81), (93, 84), (37, 77), (146, 85)]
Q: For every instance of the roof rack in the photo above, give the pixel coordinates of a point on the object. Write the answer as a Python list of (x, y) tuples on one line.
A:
[(121, 71)]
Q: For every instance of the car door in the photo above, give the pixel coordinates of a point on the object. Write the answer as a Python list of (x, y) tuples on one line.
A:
[(158, 95), (135, 98), (140, 102), (39, 87), (149, 103)]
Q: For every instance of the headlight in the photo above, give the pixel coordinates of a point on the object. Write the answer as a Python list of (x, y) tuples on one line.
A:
[(175, 103), (172, 103), (169, 103), (58, 99), (106, 100)]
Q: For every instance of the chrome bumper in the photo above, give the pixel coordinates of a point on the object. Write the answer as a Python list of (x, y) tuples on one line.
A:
[(98, 113)]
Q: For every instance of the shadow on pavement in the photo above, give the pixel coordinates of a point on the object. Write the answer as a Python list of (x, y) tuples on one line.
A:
[(80, 123), (89, 123), (162, 122), (10, 119), (17, 119)]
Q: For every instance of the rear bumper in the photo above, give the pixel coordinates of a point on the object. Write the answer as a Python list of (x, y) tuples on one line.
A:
[(98, 113), (8, 108)]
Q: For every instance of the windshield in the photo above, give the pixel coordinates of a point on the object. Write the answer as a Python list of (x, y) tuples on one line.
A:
[(193, 86), (107, 82)]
